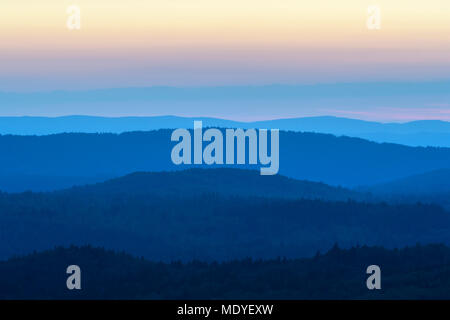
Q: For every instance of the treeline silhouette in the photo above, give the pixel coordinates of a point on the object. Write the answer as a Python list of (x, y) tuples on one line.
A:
[(418, 272)]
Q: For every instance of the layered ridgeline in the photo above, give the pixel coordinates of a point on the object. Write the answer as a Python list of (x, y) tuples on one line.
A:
[(212, 215), (415, 133), (227, 100), (338, 274), (57, 161)]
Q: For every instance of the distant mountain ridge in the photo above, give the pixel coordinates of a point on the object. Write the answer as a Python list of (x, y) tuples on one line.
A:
[(415, 133)]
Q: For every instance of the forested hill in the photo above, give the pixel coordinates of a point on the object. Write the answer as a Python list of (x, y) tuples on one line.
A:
[(338, 274), (223, 181)]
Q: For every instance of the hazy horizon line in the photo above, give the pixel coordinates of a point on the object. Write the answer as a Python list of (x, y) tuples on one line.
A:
[(368, 101), (231, 86), (220, 118)]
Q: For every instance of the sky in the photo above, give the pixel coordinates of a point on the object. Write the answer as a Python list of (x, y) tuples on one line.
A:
[(209, 43)]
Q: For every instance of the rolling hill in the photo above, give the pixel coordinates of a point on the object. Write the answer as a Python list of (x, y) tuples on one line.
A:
[(433, 182), (222, 181)]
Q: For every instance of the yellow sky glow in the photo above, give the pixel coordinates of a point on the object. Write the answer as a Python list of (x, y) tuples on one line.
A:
[(279, 37)]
